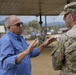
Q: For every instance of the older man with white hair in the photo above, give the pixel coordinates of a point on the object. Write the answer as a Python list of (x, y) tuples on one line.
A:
[(15, 52)]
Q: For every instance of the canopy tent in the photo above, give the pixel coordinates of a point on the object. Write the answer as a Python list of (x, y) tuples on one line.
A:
[(32, 7), (2, 29)]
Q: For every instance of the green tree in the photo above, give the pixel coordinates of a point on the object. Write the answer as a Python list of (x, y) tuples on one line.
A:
[(34, 24)]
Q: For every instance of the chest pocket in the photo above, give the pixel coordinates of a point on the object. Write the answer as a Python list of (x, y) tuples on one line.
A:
[(70, 55), (18, 50), (70, 46), (70, 51)]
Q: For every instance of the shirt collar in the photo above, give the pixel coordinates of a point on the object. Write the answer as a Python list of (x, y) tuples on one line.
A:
[(14, 35)]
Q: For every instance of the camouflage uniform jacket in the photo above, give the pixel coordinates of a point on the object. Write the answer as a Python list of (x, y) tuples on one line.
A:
[(64, 53)]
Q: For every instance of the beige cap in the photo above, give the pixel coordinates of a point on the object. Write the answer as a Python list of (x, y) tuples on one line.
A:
[(71, 7)]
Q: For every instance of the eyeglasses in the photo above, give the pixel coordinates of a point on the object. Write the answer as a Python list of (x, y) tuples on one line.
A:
[(18, 24)]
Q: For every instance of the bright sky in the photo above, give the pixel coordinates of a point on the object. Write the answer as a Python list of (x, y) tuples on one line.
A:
[(26, 19)]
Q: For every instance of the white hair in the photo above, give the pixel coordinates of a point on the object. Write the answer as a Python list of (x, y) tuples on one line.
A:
[(8, 22)]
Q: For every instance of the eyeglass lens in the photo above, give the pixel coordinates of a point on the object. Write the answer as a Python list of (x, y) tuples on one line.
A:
[(19, 24)]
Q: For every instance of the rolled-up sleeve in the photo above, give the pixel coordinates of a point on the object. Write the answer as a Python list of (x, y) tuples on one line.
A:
[(7, 55), (34, 53)]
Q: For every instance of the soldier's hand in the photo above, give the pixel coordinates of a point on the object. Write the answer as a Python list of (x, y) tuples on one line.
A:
[(48, 41)]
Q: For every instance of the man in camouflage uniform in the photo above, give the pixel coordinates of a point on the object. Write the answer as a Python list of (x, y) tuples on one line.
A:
[(64, 53)]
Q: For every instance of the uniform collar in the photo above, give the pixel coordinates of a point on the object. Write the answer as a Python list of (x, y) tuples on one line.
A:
[(74, 26)]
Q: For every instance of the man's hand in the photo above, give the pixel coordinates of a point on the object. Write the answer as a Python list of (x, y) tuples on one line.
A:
[(32, 46)]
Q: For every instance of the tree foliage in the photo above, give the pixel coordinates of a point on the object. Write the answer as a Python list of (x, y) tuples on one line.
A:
[(34, 24)]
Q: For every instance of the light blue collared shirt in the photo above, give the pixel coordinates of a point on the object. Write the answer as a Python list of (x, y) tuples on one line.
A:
[(10, 47)]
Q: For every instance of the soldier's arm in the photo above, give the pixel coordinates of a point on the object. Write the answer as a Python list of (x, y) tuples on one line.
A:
[(58, 56)]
